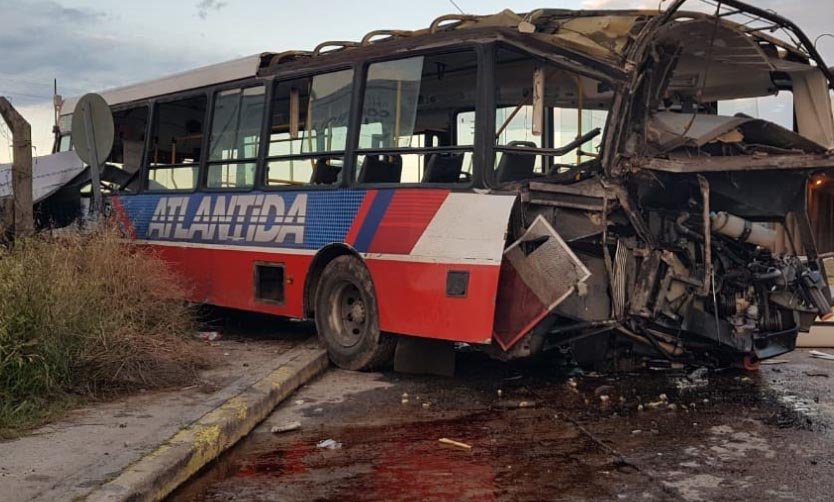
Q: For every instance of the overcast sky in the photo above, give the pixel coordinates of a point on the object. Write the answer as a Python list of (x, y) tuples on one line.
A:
[(91, 45)]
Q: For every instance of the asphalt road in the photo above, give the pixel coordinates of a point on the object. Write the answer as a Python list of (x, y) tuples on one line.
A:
[(547, 435)]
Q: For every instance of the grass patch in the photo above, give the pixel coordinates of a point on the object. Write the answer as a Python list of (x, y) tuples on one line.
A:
[(87, 316)]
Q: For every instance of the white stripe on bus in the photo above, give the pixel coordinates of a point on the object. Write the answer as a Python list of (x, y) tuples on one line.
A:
[(311, 252)]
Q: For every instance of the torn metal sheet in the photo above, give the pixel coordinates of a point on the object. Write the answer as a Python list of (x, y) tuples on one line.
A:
[(49, 173), (670, 130), (539, 271)]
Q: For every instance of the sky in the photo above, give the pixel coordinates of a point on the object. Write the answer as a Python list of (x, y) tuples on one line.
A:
[(92, 45)]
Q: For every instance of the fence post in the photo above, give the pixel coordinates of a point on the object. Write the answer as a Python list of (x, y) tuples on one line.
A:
[(23, 217)]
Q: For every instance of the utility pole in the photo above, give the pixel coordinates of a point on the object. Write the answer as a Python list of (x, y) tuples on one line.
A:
[(22, 212)]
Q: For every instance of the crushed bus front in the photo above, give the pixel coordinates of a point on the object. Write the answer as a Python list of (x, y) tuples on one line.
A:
[(687, 239)]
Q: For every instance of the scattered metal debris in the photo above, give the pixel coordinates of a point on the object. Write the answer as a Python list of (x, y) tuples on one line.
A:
[(288, 427), (454, 443), (816, 354), (329, 444)]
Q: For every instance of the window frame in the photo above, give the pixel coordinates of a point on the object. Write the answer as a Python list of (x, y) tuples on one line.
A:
[(479, 50), (146, 165), (548, 136), (261, 181), (147, 104), (202, 182)]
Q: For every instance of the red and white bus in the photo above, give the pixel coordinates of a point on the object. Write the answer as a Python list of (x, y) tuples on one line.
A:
[(522, 181)]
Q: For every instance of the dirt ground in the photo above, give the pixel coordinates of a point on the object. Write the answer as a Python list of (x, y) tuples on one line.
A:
[(542, 433)]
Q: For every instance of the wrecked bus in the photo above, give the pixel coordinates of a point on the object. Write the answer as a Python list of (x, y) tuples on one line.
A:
[(517, 182)]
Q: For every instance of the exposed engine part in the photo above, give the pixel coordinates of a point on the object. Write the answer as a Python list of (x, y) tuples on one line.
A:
[(743, 230)]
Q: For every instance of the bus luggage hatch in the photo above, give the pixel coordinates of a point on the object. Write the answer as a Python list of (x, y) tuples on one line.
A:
[(538, 272)]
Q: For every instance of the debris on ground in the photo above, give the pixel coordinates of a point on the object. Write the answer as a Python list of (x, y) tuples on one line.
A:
[(821, 355), (603, 390), (329, 444), (454, 443), (290, 426), (774, 361), (209, 336), (816, 374)]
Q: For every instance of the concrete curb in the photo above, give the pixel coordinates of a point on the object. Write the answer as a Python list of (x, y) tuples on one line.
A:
[(159, 473)]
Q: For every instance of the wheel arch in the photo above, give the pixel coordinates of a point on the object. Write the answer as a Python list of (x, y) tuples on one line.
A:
[(324, 256)]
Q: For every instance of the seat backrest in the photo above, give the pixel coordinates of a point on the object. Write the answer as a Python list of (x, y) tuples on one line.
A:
[(381, 169), (515, 166), (324, 173), (443, 167)]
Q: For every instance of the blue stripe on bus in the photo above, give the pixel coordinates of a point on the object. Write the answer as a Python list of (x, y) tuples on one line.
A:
[(375, 215)]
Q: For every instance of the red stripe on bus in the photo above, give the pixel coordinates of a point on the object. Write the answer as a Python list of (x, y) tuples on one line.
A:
[(406, 219), (413, 301), (359, 219), (411, 295), (225, 277), (123, 218)]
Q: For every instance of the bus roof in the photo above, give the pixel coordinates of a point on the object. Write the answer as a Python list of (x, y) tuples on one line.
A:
[(602, 36), (219, 73)]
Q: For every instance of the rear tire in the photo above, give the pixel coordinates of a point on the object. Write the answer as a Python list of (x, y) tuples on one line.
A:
[(347, 317)]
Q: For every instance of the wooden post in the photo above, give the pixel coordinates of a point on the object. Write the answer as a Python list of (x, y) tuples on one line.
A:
[(23, 218)]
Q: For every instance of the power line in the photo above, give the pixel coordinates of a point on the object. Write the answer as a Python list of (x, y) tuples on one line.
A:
[(456, 6)]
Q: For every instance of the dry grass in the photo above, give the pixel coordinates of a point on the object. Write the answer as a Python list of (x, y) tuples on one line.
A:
[(88, 316)]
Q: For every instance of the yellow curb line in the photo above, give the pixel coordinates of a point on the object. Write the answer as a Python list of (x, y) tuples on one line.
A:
[(156, 475)]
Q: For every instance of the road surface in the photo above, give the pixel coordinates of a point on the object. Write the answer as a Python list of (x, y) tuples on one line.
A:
[(542, 433)]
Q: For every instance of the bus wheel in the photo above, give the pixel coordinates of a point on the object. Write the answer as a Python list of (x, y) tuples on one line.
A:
[(347, 317)]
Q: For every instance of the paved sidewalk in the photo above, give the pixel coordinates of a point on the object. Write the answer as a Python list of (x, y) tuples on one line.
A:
[(68, 459)]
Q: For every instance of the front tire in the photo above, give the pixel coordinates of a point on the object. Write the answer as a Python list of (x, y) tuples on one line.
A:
[(347, 317)]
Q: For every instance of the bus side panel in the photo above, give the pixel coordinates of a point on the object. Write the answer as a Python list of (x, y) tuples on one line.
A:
[(412, 300), (234, 282), (190, 267), (417, 237)]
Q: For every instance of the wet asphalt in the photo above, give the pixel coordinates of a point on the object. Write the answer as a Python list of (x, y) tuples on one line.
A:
[(542, 432)]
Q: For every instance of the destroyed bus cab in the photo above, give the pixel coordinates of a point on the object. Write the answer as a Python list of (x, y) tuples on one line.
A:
[(600, 181)]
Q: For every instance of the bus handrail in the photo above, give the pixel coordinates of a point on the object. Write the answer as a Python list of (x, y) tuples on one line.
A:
[(337, 45), (368, 38)]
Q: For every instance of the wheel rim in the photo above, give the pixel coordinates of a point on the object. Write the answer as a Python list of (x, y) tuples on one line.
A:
[(348, 314)]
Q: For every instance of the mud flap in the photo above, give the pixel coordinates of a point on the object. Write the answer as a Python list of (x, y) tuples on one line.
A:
[(538, 272)]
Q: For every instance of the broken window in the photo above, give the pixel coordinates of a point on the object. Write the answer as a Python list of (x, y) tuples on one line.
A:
[(721, 89), (549, 135), (308, 130), (125, 158), (177, 140), (65, 138), (235, 137), (411, 110)]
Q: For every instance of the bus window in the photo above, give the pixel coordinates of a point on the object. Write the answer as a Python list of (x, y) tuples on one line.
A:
[(410, 113), (128, 146), (777, 108), (174, 158), (65, 138), (308, 130), (573, 106), (235, 137)]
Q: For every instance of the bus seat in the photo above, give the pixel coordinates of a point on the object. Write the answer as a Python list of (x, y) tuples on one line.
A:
[(381, 169), (324, 173), (516, 166), (443, 168)]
